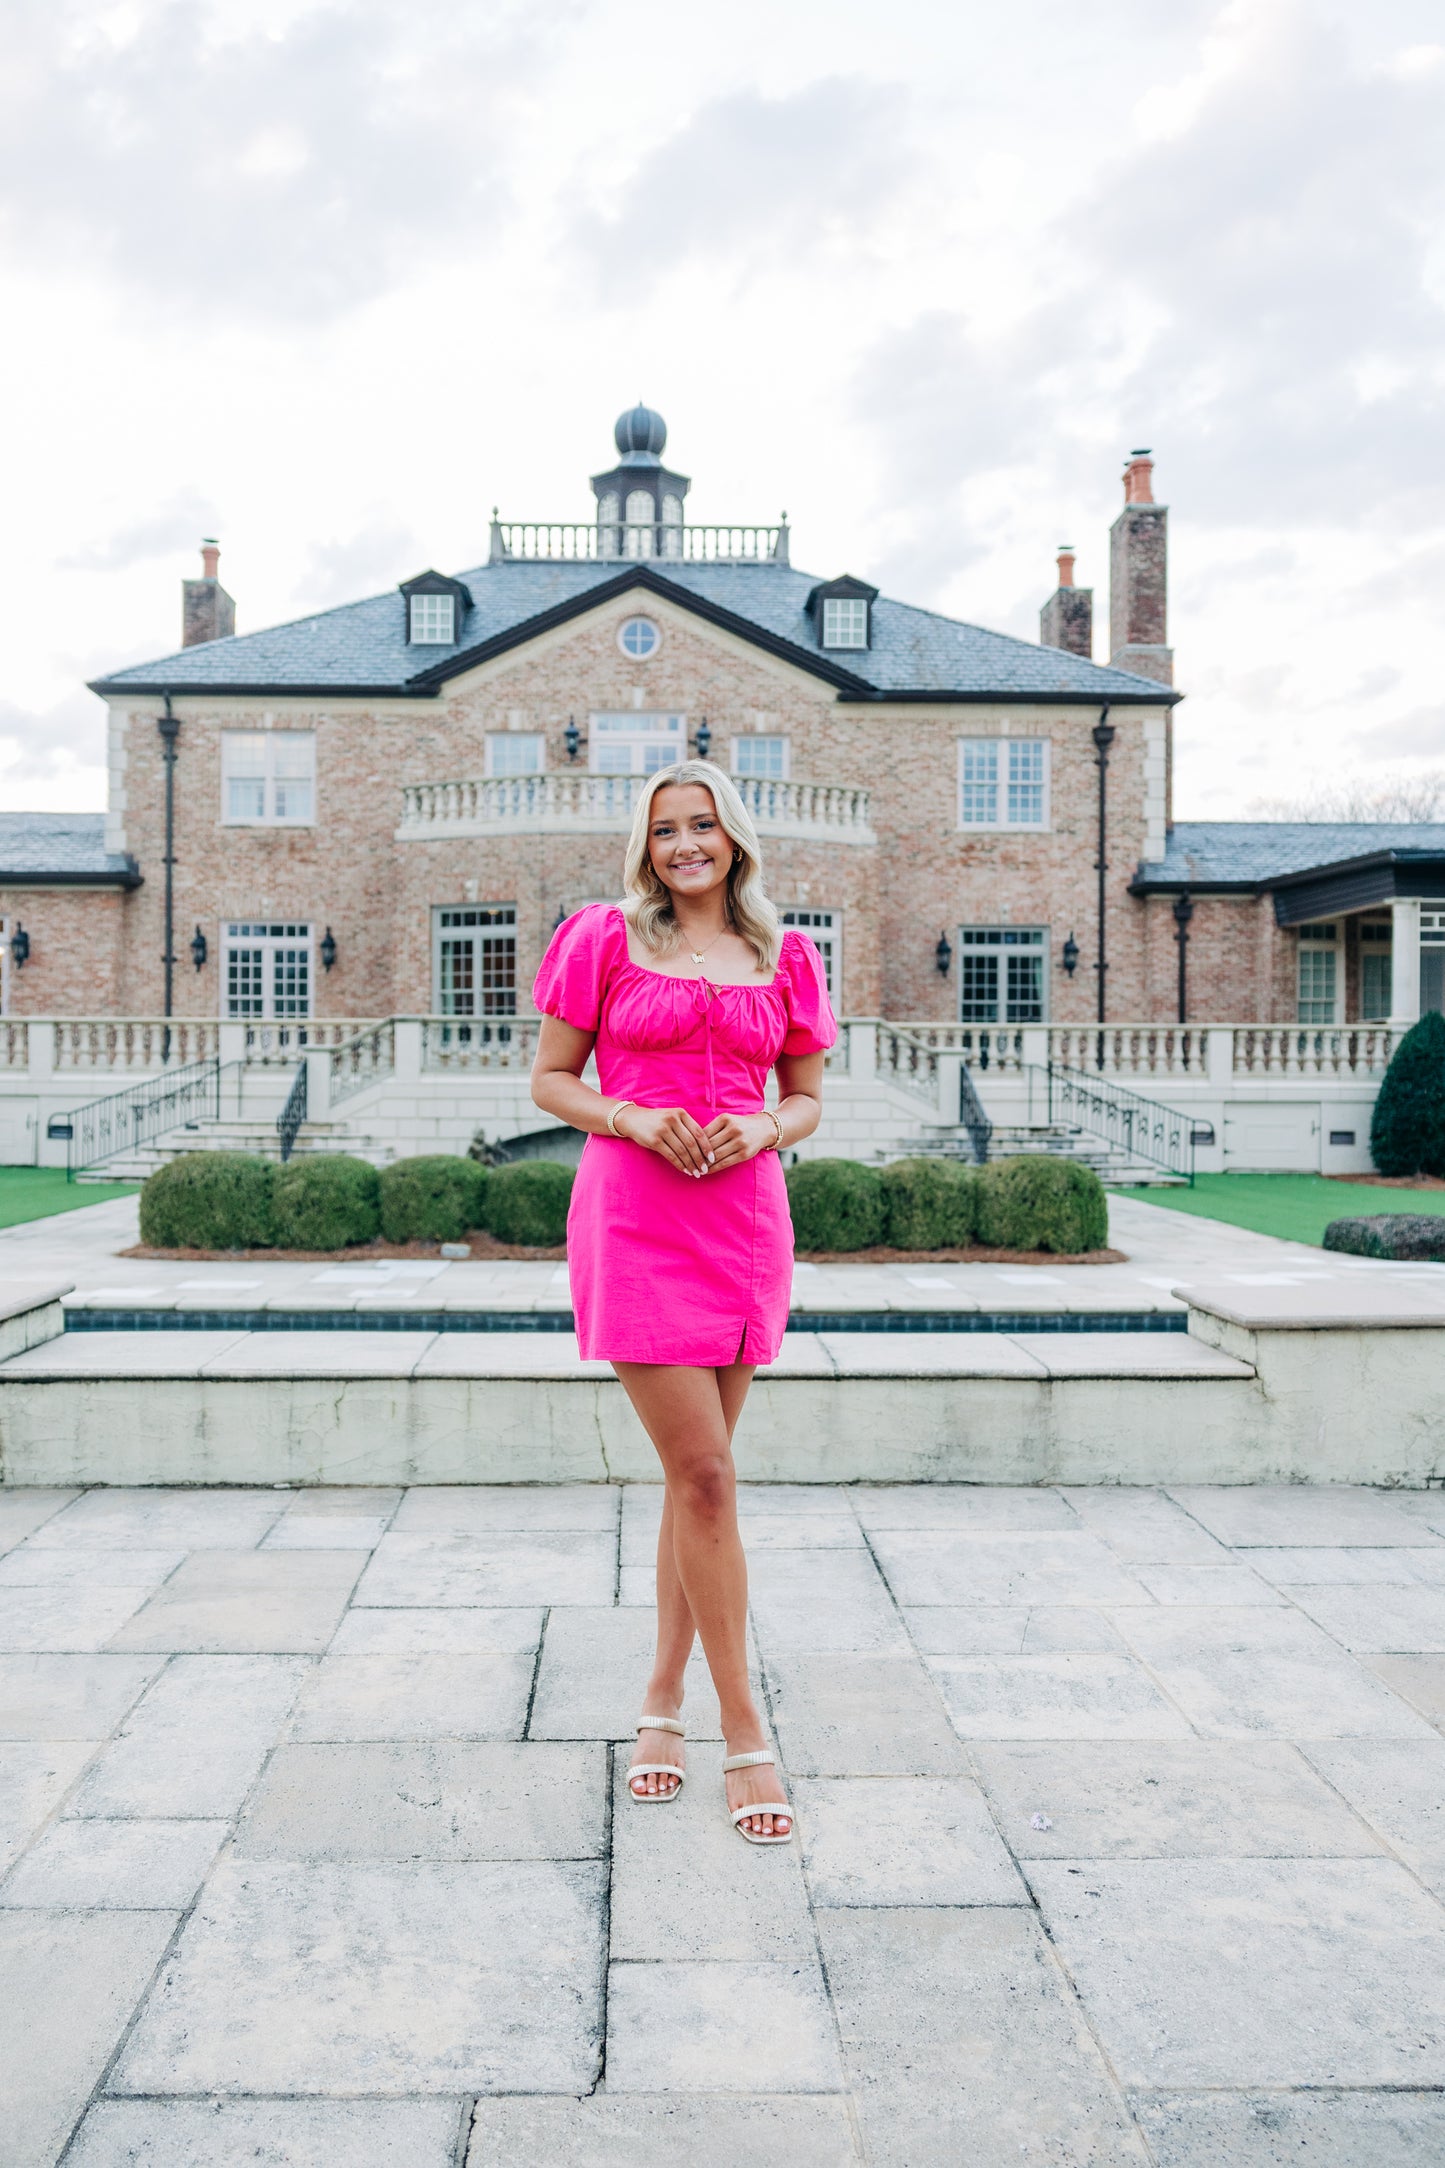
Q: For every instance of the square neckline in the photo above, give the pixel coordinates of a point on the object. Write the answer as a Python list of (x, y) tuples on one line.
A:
[(678, 978)]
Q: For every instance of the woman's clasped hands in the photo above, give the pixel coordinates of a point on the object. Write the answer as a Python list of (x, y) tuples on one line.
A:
[(728, 1140)]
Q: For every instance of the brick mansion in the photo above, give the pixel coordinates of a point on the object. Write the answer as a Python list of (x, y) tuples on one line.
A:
[(386, 808)]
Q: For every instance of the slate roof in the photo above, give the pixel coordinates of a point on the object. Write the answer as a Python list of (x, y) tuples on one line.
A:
[(1256, 854), (62, 848), (362, 646)]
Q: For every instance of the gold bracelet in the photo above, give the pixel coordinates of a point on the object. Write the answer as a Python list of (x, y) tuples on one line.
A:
[(612, 1117), (777, 1120)]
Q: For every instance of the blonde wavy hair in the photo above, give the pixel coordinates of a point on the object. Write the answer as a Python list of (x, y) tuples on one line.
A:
[(648, 903)]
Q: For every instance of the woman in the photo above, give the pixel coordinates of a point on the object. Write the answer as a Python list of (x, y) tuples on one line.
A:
[(678, 1240)]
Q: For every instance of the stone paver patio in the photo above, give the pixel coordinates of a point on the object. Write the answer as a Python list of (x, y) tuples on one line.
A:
[(1123, 1822)]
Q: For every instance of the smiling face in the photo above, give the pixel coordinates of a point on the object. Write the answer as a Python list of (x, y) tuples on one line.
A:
[(690, 850)]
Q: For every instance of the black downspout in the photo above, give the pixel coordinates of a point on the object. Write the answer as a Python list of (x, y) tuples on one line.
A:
[(169, 726), (1103, 739), (1183, 912)]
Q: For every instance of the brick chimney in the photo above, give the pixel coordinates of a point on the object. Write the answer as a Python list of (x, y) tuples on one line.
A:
[(207, 611), (1139, 577), (1067, 618)]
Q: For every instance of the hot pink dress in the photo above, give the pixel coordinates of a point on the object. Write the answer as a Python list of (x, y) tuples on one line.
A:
[(665, 1268)]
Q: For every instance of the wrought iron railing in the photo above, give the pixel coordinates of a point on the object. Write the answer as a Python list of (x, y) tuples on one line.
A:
[(1140, 1128), (139, 1114), (972, 1116), (613, 541), (293, 1114)]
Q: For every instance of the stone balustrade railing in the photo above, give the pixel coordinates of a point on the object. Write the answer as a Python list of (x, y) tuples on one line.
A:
[(573, 801), (1301, 1050)]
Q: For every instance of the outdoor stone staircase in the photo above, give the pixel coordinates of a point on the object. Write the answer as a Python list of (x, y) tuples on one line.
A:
[(232, 1135), (1112, 1165)]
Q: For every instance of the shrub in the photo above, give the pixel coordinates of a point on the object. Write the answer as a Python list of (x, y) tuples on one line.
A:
[(931, 1204), (1389, 1234), (837, 1204), (209, 1201), (527, 1202), (1037, 1202), (326, 1203), (435, 1198), (1407, 1131)]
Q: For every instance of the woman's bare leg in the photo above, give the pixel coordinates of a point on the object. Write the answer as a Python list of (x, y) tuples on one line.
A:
[(690, 1416)]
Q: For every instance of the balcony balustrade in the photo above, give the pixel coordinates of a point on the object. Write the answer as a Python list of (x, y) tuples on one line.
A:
[(572, 801)]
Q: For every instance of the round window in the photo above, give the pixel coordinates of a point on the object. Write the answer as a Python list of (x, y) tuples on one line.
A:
[(639, 637)]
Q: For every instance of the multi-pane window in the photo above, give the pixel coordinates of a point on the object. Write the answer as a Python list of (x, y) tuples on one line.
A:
[(639, 637), (1001, 974), (824, 929), (1003, 783), (1376, 953), (267, 969), (760, 756), (635, 744), (1318, 973), (476, 960), (268, 777), (845, 621), (515, 752), (433, 620), (1432, 961)]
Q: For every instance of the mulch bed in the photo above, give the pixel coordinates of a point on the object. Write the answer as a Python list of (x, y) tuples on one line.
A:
[(485, 1249), (1392, 1181)]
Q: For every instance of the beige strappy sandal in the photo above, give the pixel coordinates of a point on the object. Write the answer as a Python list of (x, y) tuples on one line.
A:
[(657, 1768), (739, 1815)]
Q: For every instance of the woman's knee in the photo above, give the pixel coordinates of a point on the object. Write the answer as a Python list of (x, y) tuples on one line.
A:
[(704, 1486)]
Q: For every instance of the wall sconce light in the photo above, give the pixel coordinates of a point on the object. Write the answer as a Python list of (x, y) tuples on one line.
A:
[(198, 949), (703, 740), (20, 947), (1070, 957), (328, 949), (943, 955), (572, 738)]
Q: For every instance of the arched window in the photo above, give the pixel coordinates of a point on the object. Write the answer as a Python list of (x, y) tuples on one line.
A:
[(639, 523), (671, 537)]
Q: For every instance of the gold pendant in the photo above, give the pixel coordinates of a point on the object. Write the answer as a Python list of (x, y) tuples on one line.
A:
[(695, 957)]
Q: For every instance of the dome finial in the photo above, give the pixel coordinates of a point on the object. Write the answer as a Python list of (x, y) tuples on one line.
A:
[(640, 429)]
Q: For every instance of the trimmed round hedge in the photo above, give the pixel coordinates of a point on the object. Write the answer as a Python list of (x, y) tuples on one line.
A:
[(436, 1197), (209, 1201), (527, 1202), (1037, 1202), (931, 1204), (327, 1202), (837, 1204), (1407, 1129)]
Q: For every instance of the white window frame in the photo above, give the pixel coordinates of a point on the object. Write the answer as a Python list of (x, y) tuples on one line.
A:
[(1376, 944), (1432, 941), (1004, 750), (484, 925), (764, 737), (845, 621), (534, 764), (270, 940), (824, 928), (1312, 940), (644, 654), (999, 941), (431, 620), (274, 743), (629, 727)]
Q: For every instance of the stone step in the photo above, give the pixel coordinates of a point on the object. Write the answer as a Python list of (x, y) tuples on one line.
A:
[(1009, 1140), (259, 1137)]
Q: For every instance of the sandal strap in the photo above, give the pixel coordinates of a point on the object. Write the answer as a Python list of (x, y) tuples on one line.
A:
[(662, 1723), (655, 1769), (749, 1761), (762, 1806)]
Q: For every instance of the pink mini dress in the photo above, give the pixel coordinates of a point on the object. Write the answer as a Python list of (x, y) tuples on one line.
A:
[(666, 1268)]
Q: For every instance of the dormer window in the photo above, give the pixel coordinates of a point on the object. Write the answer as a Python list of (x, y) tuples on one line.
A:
[(842, 610), (433, 620), (845, 621), (434, 609)]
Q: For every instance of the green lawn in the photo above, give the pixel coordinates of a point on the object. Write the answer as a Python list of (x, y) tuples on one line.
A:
[(1297, 1206), (32, 1193)]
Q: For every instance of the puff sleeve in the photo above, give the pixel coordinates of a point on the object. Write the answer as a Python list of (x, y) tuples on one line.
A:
[(574, 971), (811, 1023)]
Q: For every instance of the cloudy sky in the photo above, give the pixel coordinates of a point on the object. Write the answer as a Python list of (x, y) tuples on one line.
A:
[(329, 278)]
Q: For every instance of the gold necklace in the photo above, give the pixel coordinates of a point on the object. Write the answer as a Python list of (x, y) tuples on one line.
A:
[(697, 955)]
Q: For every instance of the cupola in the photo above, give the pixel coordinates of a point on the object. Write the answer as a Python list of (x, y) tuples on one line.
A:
[(639, 501), (435, 606)]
